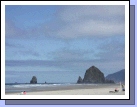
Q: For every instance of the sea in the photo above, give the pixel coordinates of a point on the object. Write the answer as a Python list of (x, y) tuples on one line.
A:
[(20, 87)]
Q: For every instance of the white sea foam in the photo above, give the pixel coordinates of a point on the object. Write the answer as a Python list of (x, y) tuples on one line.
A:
[(35, 85)]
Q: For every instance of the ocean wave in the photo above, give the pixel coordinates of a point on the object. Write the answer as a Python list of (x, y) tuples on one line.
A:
[(34, 85)]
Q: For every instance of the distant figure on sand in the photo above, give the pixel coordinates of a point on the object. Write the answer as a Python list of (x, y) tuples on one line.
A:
[(24, 92), (116, 90), (21, 93), (123, 87)]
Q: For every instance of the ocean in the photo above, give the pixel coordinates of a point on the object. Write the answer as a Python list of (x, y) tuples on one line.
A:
[(19, 87)]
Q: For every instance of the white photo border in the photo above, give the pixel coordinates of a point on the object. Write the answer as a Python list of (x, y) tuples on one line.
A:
[(126, 3)]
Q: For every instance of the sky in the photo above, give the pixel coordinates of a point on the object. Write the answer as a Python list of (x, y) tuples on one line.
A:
[(58, 43)]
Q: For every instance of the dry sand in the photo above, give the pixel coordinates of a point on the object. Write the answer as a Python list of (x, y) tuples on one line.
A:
[(99, 90)]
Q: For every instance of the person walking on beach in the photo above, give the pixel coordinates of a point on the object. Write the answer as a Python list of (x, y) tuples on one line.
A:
[(123, 88)]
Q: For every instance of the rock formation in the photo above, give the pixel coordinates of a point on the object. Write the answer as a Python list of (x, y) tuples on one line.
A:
[(117, 76), (80, 80), (109, 81), (33, 80), (93, 75)]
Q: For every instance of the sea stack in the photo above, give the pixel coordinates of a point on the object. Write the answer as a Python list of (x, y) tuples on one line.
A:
[(93, 75), (79, 80), (33, 80)]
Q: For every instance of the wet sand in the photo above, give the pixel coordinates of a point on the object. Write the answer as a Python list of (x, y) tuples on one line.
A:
[(81, 89)]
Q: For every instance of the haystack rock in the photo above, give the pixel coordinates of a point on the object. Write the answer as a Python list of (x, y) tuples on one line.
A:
[(93, 75), (33, 80), (80, 80)]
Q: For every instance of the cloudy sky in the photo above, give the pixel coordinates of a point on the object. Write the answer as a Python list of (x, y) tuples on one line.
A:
[(58, 43)]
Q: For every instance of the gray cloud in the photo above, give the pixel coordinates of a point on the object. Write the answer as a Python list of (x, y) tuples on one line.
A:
[(99, 23), (28, 52), (79, 21), (65, 54), (113, 49), (11, 30), (102, 12), (13, 45), (18, 49), (82, 21), (105, 66), (35, 63)]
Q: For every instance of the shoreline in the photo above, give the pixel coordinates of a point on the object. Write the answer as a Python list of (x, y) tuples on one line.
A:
[(81, 89)]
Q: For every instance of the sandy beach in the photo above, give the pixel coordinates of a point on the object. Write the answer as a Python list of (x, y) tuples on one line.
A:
[(103, 89)]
